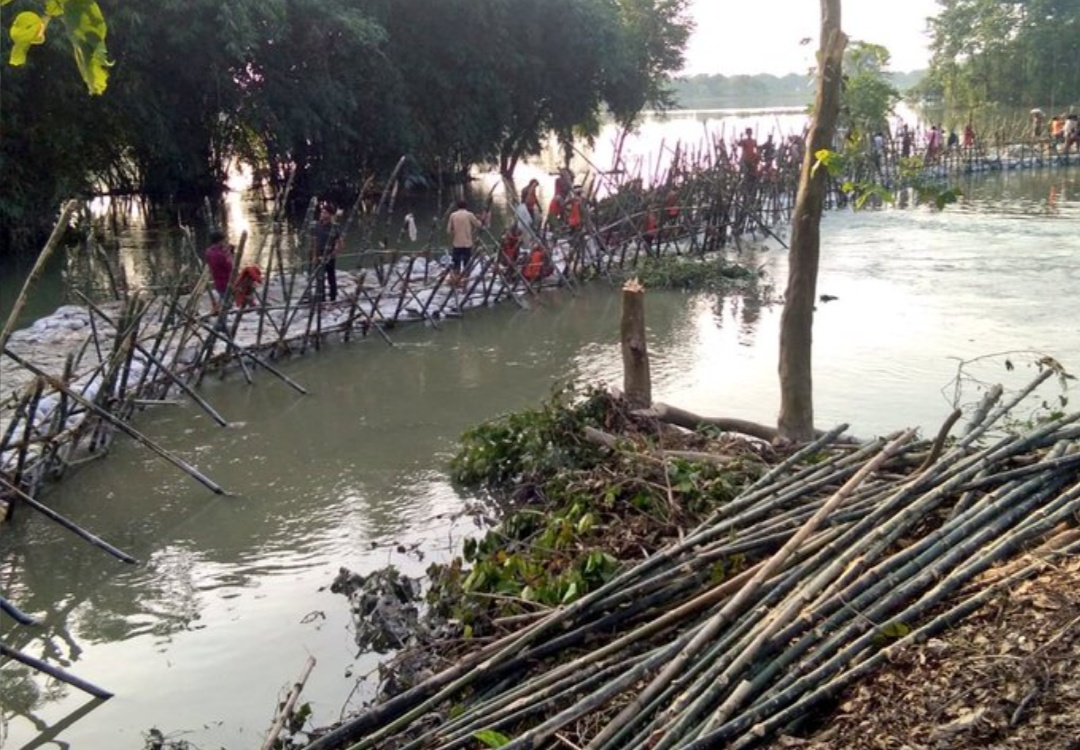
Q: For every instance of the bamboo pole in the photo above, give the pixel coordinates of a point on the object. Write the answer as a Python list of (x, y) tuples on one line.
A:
[(173, 377), (39, 267), (121, 425), (286, 709), (55, 672), (16, 614), (66, 523)]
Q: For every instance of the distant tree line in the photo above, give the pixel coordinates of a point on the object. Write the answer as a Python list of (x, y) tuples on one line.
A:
[(330, 90), (1012, 52), (762, 90)]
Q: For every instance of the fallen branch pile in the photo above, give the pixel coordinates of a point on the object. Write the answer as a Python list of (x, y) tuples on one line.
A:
[(853, 552)]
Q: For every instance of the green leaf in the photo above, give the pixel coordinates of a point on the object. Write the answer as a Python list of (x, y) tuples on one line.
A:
[(828, 159), (890, 631), (491, 738), (27, 29), (86, 30), (571, 593), (586, 523)]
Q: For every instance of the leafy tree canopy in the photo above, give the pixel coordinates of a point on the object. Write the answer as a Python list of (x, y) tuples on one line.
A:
[(329, 91), (1018, 52), (867, 97)]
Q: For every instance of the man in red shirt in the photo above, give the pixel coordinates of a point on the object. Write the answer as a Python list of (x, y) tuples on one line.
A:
[(749, 159)]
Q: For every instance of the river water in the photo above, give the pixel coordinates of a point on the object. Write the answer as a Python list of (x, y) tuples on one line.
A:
[(231, 596)]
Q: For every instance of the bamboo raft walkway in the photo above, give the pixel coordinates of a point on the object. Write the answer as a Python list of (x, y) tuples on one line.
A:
[(72, 381)]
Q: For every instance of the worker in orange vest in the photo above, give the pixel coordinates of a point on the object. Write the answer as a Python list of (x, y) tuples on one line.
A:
[(250, 277), (511, 244), (573, 212), (537, 266)]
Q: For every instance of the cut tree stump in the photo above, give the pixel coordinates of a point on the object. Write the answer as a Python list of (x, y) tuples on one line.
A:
[(637, 381)]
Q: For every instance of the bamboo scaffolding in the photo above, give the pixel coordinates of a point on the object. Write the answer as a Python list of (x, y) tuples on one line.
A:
[(121, 425), (715, 201)]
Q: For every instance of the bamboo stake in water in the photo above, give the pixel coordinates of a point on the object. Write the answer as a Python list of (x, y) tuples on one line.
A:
[(287, 707), (68, 524), (54, 672), (121, 425)]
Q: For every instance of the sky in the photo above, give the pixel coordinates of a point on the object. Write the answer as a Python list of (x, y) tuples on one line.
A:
[(746, 36)]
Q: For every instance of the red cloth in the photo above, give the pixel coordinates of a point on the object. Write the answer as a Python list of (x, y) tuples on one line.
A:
[(219, 258), (575, 213), (650, 225), (249, 278)]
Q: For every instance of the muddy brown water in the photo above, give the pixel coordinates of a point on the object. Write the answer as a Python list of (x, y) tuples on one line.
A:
[(205, 634)]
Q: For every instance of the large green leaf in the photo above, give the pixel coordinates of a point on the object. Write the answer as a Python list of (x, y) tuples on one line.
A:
[(27, 29), (86, 30)]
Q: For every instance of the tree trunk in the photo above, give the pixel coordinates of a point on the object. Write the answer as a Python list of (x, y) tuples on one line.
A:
[(796, 421), (637, 383)]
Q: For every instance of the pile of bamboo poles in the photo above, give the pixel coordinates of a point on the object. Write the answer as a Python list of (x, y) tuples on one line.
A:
[(855, 552)]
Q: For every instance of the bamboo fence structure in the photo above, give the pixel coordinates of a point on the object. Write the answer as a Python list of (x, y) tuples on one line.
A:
[(146, 349)]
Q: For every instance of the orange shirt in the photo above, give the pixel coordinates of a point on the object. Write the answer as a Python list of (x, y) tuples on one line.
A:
[(534, 269), (575, 213), (555, 206), (650, 225)]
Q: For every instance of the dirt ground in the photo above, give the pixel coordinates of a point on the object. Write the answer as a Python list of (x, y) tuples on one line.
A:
[(1007, 678)]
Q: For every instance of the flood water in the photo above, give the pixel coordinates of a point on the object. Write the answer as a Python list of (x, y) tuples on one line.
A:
[(203, 637)]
